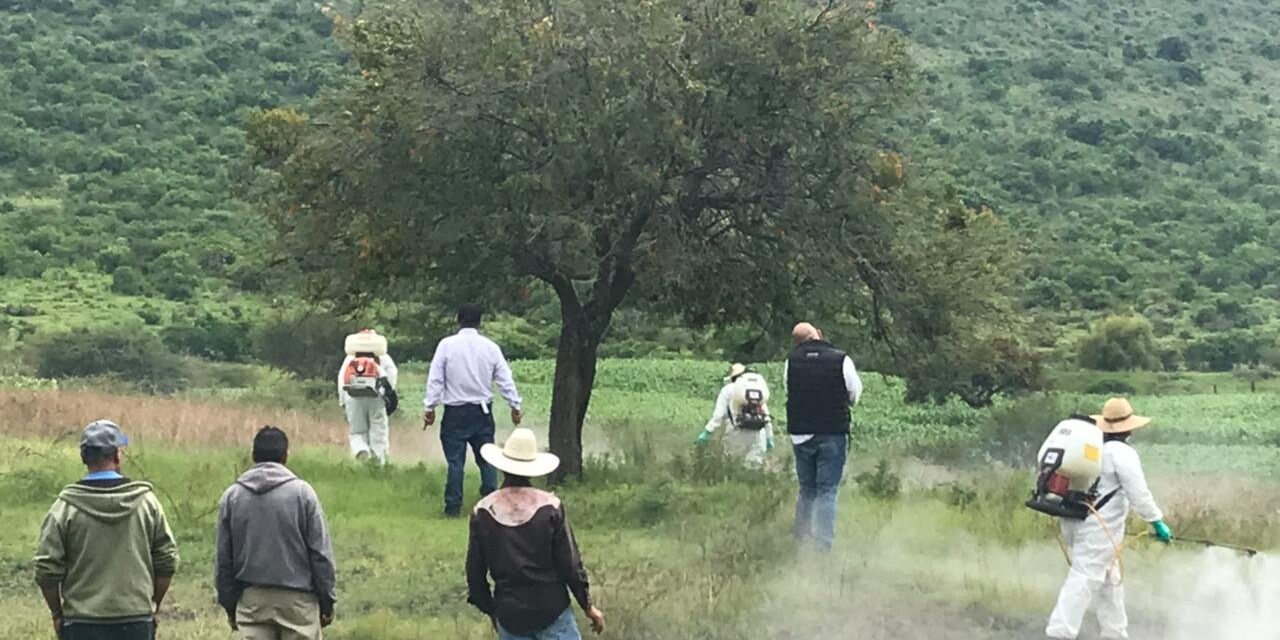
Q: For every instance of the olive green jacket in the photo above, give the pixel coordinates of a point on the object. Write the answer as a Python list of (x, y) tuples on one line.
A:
[(104, 547)]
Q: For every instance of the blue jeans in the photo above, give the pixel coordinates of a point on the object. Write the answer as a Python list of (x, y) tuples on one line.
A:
[(819, 469), (466, 426), (563, 628), (125, 631)]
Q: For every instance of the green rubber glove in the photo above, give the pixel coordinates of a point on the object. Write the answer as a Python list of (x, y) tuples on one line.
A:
[(768, 444), (1162, 531), (704, 437)]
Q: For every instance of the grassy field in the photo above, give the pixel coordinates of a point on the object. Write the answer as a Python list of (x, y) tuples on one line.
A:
[(680, 543)]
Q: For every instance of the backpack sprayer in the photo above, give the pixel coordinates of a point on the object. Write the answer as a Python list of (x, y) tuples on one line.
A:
[(747, 406), (1068, 467)]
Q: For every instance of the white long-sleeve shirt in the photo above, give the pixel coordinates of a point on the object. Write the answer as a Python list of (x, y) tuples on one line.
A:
[(852, 384), (1122, 471), (389, 371), (720, 414), (464, 370)]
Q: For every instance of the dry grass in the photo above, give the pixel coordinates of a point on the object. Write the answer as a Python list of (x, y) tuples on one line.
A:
[(60, 414)]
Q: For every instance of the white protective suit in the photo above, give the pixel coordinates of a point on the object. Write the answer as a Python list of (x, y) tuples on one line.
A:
[(367, 417), (745, 443), (1095, 572)]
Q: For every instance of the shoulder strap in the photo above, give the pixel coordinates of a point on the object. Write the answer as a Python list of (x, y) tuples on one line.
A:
[(1102, 502)]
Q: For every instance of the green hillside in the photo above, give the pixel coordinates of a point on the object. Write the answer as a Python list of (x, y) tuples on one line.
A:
[(120, 138), (1133, 143)]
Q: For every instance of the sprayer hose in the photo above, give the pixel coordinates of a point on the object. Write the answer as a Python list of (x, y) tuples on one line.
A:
[(1117, 545)]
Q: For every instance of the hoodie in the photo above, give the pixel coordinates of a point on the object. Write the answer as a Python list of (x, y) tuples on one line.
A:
[(272, 533), (104, 546)]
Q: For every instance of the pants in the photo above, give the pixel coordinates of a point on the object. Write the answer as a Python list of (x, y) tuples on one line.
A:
[(278, 614), (370, 432), (564, 628), (748, 445), (819, 470), (1094, 579), (125, 631), (463, 426)]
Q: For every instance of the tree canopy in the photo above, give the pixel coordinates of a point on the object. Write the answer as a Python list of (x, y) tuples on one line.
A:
[(711, 159), (1132, 145)]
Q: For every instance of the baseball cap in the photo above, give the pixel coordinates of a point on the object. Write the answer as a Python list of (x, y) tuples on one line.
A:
[(103, 435)]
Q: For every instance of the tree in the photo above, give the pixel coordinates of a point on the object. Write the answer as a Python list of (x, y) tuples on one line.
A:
[(1120, 343), (129, 352), (175, 274), (688, 157)]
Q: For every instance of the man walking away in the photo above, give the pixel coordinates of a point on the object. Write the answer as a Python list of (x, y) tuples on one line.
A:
[(521, 537), (106, 555), (274, 571), (822, 385), (463, 371), (367, 376), (1095, 577), (742, 410)]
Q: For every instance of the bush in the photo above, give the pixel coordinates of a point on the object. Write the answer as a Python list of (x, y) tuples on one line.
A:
[(176, 275), (128, 281), (1120, 343), (1175, 49), (1013, 433), (520, 339), (131, 354), (211, 337), (1111, 387), (883, 483), (308, 346)]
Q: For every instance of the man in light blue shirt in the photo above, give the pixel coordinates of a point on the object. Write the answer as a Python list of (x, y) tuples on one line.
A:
[(463, 372)]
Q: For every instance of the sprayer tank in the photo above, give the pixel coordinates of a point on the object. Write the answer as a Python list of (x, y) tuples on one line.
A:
[(1080, 444)]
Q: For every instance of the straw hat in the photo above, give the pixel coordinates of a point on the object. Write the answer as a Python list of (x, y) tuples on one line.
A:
[(1118, 417), (736, 370), (520, 455)]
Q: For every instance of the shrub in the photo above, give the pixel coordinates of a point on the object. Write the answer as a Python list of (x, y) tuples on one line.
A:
[(211, 337), (128, 353), (1013, 433), (1175, 49), (176, 274), (309, 346), (1111, 387), (1120, 343), (128, 281), (1191, 75), (883, 483)]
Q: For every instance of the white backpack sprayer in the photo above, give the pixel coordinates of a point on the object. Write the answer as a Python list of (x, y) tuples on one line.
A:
[(747, 407), (1068, 467), (361, 377)]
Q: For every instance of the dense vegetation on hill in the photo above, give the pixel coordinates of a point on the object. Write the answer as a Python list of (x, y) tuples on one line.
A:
[(120, 133), (1134, 144)]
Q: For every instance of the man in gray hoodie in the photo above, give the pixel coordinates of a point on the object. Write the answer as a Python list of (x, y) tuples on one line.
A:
[(275, 571)]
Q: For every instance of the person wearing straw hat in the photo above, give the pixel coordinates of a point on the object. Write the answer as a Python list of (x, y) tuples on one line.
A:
[(1094, 543), (741, 410), (521, 538)]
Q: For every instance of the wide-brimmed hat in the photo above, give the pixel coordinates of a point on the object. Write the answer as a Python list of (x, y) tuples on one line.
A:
[(520, 455), (736, 370), (1118, 417)]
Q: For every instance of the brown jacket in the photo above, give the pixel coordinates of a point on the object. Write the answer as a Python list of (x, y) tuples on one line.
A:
[(521, 538)]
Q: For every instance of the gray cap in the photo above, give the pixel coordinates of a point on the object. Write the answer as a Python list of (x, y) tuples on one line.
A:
[(103, 435)]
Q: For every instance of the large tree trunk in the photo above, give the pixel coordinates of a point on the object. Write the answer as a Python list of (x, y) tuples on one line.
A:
[(575, 375)]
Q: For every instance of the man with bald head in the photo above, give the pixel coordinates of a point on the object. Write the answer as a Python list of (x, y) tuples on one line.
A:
[(822, 386)]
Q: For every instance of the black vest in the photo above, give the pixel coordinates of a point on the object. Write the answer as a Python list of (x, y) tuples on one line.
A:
[(817, 399)]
